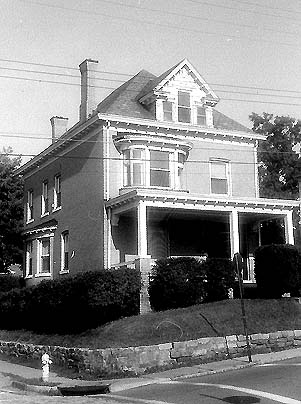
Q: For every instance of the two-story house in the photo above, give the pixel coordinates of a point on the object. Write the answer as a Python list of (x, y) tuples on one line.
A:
[(153, 170)]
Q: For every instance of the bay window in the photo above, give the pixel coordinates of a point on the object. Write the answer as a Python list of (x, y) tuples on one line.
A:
[(152, 167), (159, 168)]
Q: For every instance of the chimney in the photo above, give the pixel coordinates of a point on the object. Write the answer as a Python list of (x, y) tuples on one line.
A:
[(88, 88), (58, 127)]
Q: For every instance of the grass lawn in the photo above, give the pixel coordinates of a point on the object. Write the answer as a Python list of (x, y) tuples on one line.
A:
[(177, 325)]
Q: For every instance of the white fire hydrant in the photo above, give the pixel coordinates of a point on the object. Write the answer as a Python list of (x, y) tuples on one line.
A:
[(46, 362)]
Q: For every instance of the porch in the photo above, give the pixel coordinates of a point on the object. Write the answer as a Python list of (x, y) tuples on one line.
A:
[(148, 224)]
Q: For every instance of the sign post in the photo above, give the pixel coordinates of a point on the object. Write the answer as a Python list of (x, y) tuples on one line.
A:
[(239, 267)]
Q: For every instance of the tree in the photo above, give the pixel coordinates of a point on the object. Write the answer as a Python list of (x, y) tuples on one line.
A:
[(11, 211), (277, 156)]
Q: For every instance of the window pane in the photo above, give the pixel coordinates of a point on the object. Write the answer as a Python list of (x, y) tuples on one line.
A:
[(219, 186), (159, 178), (167, 111), (45, 264), (159, 159), (137, 153), (184, 99), (201, 116), (137, 174), (219, 170), (184, 114), (45, 247)]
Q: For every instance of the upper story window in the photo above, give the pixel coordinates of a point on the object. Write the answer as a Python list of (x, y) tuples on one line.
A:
[(167, 111), (45, 198), (29, 206), (159, 168), (184, 107), (201, 116), (152, 167), (134, 164), (219, 173), (57, 197)]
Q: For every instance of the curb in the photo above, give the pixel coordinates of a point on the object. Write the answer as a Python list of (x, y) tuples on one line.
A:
[(74, 390), (49, 391)]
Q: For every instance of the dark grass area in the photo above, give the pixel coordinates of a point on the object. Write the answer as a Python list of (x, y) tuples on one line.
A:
[(205, 320)]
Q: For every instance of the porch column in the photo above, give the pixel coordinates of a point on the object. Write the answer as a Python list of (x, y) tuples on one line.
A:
[(289, 228), (142, 231), (234, 232)]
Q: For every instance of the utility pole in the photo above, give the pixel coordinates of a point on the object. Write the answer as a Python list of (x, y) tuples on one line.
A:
[(239, 266)]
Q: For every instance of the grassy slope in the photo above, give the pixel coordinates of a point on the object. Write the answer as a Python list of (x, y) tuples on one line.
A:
[(176, 325)]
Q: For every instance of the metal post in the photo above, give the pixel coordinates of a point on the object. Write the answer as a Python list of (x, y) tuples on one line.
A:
[(238, 264)]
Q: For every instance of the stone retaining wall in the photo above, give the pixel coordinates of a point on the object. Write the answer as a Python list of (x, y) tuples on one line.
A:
[(138, 360)]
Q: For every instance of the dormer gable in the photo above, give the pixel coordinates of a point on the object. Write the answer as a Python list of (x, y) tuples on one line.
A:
[(180, 95)]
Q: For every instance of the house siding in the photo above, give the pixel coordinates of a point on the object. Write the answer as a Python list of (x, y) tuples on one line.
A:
[(81, 214)]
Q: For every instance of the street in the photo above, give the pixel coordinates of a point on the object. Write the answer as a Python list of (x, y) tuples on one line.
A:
[(264, 384)]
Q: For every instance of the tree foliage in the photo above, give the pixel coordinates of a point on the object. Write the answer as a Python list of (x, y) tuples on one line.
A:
[(11, 211), (277, 156)]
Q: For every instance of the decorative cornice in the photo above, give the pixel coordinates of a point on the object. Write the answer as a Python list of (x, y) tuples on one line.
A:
[(189, 199)]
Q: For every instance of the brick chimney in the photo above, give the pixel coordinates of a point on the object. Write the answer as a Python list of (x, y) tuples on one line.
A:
[(58, 127), (88, 70)]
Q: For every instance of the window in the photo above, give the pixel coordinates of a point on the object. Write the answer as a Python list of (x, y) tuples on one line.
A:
[(159, 168), (201, 116), (45, 198), (29, 212), (134, 164), (65, 251), (57, 198), (44, 255), (167, 111), (28, 258), (184, 111), (219, 177)]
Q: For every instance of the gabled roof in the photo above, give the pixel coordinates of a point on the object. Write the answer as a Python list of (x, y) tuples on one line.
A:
[(166, 76)]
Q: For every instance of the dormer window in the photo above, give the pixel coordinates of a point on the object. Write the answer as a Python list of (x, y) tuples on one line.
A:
[(201, 116), (184, 107), (167, 111)]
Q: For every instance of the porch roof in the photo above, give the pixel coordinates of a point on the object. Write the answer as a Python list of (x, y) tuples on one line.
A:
[(183, 199)]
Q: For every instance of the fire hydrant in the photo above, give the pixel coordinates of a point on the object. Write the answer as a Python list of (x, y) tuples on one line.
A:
[(46, 361)]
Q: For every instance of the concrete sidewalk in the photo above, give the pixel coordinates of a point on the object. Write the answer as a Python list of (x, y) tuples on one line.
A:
[(13, 375)]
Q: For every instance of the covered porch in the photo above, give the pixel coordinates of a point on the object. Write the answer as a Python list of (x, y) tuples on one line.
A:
[(151, 225)]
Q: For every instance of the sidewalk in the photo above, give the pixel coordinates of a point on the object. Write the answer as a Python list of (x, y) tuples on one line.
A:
[(13, 375)]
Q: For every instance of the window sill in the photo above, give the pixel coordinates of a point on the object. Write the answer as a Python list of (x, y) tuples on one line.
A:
[(45, 214), (28, 277), (56, 209), (29, 221), (65, 271), (43, 275)]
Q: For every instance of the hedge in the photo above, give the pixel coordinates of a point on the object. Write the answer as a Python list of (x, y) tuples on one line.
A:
[(184, 281), (72, 305), (8, 282), (277, 270)]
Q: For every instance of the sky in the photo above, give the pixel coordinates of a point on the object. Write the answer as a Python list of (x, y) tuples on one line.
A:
[(249, 52)]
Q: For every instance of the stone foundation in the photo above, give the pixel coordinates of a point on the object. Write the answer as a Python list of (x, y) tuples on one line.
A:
[(139, 360)]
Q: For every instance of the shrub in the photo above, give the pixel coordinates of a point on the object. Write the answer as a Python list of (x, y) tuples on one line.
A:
[(8, 282), (277, 270), (176, 282), (220, 276), (72, 305)]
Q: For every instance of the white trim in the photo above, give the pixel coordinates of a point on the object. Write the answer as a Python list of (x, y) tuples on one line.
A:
[(142, 230), (63, 244), (234, 232), (289, 228), (43, 275)]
